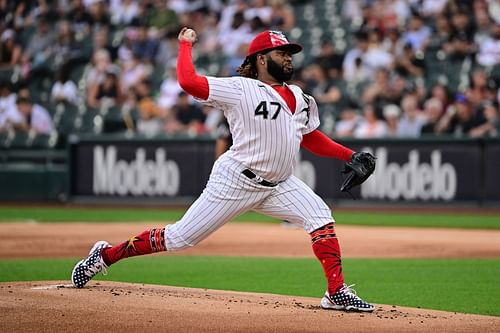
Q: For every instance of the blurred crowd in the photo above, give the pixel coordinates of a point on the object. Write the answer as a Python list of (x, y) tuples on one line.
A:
[(404, 68)]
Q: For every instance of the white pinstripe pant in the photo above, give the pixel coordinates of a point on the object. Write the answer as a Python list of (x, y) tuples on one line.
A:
[(229, 193)]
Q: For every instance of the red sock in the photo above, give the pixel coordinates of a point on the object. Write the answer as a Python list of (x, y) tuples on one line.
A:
[(327, 249), (149, 241)]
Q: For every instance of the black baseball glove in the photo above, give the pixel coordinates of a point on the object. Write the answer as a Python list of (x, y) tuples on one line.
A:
[(358, 170)]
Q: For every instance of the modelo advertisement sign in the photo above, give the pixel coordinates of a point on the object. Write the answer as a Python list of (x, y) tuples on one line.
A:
[(427, 171), (411, 170), (140, 168), (491, 170)]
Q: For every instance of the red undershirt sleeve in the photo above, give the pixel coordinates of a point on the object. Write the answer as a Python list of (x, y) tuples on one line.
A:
[(320, 144), (192, 83)]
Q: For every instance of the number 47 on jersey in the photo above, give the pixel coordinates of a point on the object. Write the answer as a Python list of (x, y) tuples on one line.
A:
[(263, 109)]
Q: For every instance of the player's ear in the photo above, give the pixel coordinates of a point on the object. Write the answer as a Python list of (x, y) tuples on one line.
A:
[(260, 59)]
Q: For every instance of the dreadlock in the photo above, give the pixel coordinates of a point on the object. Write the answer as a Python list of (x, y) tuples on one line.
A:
[(247, 68)]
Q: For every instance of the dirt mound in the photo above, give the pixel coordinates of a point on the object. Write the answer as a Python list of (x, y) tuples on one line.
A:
[(108, 306)]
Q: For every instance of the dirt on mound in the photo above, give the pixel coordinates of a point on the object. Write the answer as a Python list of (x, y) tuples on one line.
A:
[(123, 307)]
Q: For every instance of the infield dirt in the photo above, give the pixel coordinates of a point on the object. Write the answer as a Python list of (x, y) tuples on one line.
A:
[(110, 306)]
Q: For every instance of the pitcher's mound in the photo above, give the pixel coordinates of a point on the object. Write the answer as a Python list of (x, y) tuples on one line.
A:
[(123, 307)]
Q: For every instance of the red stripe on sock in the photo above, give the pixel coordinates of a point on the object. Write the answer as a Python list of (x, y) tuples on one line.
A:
[(135, 246)]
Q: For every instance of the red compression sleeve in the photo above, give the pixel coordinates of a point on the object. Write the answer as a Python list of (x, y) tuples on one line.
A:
[(320, 144), (192, 83)]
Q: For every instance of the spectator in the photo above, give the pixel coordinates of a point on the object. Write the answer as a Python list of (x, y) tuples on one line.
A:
[(412, 119), (478, 90), (233, 62), (228, 13), (409, 64), (66, 49), (34, 117), (167, 49), (442, 94), (149, 29), (391, 114), (417, 34), (459, 118), (354, 60), (64, 90), (282, 17), (186, 117), (394, 12), (494, 10), (489, 49), (150, 115), (324, 91), (260, 9), (441, 37), (144, 47), (101, 64), (330, 60), (8, 109), (358, 75), (392, 42), (101, 41), (377, 57), (371, 127), (349, 120), (491, 128), (382, 91), (125, 53), (207, 39), (107, 92), (80, 19), (212, 119), (462, 36), (99, 12), (238, 33), (124, 12), (134, 72), (483, 25), (161, 17), (39, 46), (169, 90), (10, 50), (432, 8), (433, 109)]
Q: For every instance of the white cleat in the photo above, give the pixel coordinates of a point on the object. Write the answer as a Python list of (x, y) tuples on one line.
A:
[(87, 268), (345, 299)]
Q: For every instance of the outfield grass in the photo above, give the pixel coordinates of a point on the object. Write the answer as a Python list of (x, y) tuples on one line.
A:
[(470, 286), (51, 214)]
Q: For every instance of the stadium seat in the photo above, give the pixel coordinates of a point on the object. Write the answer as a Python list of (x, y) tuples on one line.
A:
[(495, 74), (20, 140), (6, 74), (43, 141), (113, 120), (3, 139), (65, 117)]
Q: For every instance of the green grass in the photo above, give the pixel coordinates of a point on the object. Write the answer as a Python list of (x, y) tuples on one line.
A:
[(64, 214), (470, 286), (51, 214)]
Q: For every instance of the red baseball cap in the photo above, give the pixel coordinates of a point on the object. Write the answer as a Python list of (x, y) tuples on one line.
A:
[(269, 40)]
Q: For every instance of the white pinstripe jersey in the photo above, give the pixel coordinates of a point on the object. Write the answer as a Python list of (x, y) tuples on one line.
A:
[(266, 135)]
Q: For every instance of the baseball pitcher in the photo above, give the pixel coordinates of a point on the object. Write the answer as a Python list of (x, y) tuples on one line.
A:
[(269, 121)]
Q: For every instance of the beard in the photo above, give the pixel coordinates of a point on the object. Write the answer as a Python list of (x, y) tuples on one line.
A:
[(278, 72)]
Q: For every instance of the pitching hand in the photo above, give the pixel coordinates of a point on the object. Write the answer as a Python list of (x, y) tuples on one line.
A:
[(188, 35)]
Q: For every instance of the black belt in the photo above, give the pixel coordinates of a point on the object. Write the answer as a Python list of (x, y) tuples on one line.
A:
[(259, 180)]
